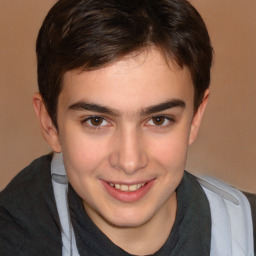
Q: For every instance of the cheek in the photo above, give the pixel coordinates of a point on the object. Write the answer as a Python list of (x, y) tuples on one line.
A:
[(171, 152), (82, 154)]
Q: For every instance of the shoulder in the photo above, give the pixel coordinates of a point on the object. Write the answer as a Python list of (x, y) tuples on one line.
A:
[(233, 217), (28, 215), (27, 185), (30, 172), (227, 192), (252, 199)]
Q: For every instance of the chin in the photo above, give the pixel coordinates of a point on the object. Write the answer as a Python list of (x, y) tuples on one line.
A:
[(129, 219)]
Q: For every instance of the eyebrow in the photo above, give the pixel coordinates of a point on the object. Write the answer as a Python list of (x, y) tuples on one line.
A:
[(175, 103), (82, 105)]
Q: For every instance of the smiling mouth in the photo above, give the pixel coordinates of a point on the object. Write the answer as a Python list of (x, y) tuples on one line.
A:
[(128, 193), (127, 188)]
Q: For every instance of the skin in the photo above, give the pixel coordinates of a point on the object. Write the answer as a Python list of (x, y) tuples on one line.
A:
[(114, 128)]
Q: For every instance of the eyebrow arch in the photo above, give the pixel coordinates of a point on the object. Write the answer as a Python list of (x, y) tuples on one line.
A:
[(82, 105), (164, 106)]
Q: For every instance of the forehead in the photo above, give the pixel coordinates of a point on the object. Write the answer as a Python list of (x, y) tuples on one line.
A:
[(133, 82)]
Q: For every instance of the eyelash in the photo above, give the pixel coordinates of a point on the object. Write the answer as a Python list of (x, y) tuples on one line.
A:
[(95, 127), (167, 119)]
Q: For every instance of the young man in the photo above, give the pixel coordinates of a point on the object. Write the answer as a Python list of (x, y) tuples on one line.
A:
[(123, 87)]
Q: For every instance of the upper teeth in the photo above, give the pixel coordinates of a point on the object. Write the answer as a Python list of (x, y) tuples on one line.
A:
[(126, 187)]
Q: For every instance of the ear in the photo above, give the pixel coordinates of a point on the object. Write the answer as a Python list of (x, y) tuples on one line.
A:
[(48, 129), (198, 118)]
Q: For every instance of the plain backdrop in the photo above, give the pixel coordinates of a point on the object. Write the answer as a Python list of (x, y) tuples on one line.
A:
[(226, 146)]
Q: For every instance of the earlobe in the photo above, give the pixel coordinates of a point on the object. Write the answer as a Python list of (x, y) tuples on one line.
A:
[(48, 129), (198, 118)]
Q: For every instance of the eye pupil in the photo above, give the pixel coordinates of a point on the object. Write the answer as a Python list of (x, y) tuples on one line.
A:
[(96, 121), (159, 120)]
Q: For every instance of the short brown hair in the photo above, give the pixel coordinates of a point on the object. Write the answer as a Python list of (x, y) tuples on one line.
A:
[(90, 34)]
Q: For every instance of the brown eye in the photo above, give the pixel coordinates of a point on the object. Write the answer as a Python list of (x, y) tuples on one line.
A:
[(158, 120), (96, 120)]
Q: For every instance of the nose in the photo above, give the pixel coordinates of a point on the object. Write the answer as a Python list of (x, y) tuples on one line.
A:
[(129, 154)]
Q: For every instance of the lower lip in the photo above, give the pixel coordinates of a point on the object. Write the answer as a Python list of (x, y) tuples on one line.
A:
[(128, 196)]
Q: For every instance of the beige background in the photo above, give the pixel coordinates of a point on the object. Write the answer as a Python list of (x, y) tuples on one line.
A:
[(226, 146)]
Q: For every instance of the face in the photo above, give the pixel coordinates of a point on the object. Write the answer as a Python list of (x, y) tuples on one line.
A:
[(124, 132)]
